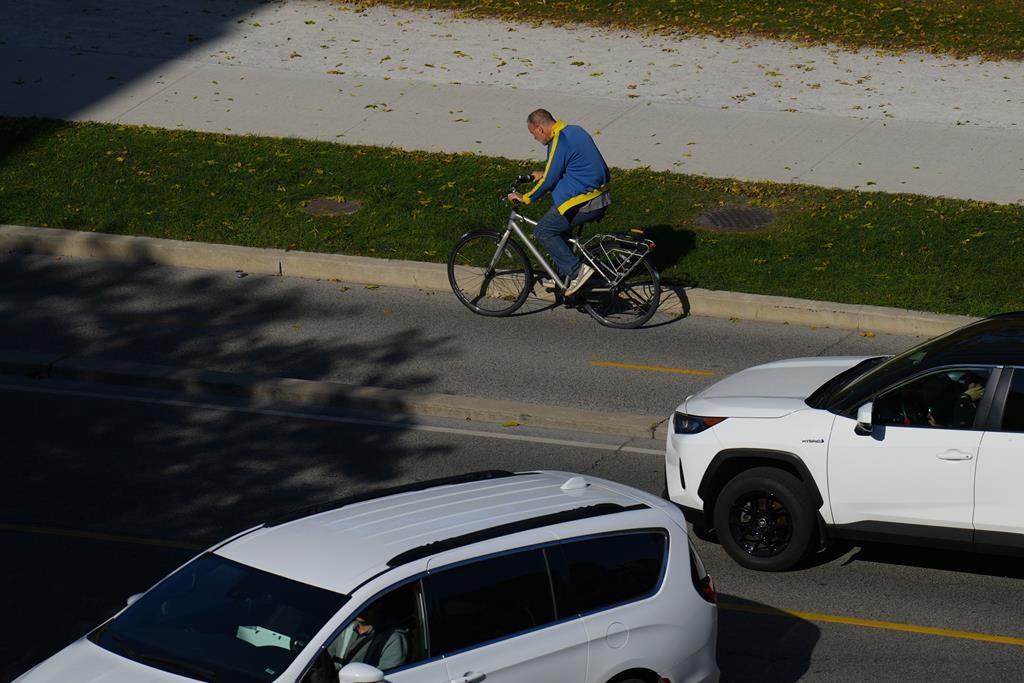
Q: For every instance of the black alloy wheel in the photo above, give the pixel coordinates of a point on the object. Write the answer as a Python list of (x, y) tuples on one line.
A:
[(765, 519)]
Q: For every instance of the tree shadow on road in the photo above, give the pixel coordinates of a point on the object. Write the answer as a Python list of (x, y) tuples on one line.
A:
[(178, 472)]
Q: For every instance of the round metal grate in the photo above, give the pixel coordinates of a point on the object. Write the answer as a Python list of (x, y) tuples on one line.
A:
[(736, 218), (329, 207)]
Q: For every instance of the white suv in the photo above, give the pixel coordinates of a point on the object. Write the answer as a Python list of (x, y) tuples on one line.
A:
[(926, 448), (496, 576)]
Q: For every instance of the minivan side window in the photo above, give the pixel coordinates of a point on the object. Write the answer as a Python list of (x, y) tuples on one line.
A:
[(488, 599), (1013, 411), (607, 570)]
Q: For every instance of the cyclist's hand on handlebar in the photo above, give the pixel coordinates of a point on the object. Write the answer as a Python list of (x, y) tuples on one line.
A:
[(534, 177), (515, 197)]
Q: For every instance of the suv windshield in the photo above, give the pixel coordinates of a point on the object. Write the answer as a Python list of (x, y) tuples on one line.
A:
[(822, 396), (217, 620)]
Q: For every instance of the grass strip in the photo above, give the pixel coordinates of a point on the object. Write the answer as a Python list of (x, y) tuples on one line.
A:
[(922, 253), (991, 28)]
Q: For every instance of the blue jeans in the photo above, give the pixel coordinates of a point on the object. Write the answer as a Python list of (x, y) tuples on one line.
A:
[(552, 232)]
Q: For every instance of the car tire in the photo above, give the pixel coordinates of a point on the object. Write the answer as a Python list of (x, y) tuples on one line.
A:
[(764, 519), (700, 529)]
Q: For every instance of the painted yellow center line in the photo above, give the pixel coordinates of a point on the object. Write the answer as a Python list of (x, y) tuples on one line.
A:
[(653, 368), (871, 623), (94, 536)]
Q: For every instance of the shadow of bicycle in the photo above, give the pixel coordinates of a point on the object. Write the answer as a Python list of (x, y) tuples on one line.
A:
[(674, 304)]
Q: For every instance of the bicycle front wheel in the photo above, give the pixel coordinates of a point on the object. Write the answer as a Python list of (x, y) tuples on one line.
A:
[(629, 304), (488, 281)]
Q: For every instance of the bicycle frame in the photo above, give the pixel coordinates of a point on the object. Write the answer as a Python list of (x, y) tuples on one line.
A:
[(513, 227)]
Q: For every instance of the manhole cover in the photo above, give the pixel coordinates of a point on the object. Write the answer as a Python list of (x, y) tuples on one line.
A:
[(330, 207), (736, 218)]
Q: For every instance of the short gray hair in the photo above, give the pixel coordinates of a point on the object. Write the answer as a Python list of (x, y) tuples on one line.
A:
[(540, 116)]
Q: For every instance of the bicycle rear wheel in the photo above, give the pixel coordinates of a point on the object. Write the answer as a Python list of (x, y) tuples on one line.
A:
[(629, 304), (485, 281)]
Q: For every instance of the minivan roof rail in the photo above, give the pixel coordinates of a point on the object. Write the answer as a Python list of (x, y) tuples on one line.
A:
[(482, 475), (435, 547)]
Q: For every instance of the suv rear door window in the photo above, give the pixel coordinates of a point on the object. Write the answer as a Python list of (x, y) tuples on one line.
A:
[(1013, 411), (488, 599), (607, 570)]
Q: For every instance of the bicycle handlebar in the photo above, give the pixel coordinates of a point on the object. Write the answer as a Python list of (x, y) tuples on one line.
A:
[(514, 187)]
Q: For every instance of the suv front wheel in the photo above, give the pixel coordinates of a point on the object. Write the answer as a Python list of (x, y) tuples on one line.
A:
[(764, 519)]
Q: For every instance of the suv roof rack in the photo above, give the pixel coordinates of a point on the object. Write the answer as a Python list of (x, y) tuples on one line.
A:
[(435, 547), (482, 475)]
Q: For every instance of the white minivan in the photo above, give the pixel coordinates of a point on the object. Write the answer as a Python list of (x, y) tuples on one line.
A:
[(491, 576)]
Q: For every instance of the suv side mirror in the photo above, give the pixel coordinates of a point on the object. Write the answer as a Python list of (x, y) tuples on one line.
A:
[(357, 672), (864, 418)]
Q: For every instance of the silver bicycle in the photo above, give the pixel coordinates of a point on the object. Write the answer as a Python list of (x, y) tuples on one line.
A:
[(491, 274)]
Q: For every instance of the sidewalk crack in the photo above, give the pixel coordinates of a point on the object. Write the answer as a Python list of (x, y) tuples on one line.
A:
[(195, 69), (836, 148)]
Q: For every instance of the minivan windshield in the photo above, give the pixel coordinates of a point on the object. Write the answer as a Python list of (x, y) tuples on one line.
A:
[(220, 621)]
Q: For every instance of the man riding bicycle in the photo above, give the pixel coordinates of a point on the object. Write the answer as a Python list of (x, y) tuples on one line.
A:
[(577, 177)]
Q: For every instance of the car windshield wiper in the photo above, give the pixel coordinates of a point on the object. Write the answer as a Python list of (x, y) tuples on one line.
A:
[(179, 667), (826, 393), (167, 663)]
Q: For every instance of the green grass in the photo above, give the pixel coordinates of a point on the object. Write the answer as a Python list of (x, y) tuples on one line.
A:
[(870, 248), (993, 28)]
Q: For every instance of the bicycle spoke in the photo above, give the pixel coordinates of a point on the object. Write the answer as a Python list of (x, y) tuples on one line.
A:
[(635, 299), (485, 280)]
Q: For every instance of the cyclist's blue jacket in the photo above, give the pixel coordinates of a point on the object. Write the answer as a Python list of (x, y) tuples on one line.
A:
[(575, 172)]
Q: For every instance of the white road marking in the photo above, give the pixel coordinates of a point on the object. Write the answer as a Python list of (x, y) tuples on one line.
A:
[(412, 426)]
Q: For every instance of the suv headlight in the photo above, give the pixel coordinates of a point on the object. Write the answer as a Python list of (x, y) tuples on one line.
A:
[(693, 424)]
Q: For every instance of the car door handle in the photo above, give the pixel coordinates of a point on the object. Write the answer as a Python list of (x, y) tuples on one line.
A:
[(470, 677), (954, 455)]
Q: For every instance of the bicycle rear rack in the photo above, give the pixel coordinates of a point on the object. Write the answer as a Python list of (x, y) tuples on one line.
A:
[(614, 255)]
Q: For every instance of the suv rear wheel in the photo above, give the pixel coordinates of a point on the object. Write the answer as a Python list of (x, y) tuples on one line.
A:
[(764, 519)]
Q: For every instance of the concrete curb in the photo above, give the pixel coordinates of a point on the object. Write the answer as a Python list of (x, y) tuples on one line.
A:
[(269, 391), (395, 273)]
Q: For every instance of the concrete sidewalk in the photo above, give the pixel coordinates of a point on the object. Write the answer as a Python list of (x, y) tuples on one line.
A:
[(920, 125)]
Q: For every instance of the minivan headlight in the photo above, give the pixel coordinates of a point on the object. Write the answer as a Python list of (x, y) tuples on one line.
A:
[(693, 424)]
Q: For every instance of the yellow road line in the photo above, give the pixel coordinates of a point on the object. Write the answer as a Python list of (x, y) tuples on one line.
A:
[(652, 368), (871, 623), (94, 536)]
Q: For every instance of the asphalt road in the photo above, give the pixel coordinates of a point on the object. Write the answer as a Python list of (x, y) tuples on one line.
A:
[(105, 490), (385, 337)]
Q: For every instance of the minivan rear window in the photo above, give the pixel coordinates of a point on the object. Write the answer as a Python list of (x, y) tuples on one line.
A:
[(486, 600), (607, 570)]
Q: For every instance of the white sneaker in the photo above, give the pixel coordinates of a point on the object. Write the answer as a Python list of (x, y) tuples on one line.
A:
[(582, 275)]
